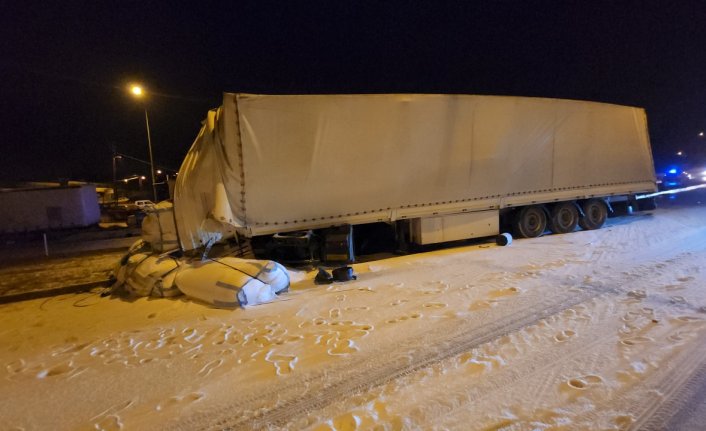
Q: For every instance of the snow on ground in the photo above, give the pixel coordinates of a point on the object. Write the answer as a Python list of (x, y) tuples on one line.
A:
[(590, 330), (57, 272)]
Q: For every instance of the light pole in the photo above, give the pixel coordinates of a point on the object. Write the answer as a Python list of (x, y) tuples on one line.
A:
[(139, 93), (115, 181)]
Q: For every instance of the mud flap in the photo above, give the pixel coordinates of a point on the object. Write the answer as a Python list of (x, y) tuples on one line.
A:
[(338, 245)]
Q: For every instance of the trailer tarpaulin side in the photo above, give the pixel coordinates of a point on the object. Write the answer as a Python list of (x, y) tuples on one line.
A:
[(281, 162)]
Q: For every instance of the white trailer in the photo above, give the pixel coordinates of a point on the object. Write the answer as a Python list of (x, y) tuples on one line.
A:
[(44, 208), (438, 167)]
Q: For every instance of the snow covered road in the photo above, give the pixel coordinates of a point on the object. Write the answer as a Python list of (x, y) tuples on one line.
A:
[(592, 330)]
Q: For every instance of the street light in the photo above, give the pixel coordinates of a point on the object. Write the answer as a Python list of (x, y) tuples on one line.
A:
[(138, 93)]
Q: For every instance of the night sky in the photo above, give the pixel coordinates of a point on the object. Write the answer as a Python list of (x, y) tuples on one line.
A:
[(65, 66)]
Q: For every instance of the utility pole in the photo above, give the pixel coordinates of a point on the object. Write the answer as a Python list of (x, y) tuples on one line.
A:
[(115, 178)]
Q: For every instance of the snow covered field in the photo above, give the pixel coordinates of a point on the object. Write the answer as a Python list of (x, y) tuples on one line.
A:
[(592, 330)]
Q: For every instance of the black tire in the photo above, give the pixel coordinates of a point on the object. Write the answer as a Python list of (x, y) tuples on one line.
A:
[(595, 212), (530, 222), (564, 217)]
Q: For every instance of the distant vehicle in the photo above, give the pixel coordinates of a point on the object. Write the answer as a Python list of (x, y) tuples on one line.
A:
[(696, 175), (144, 204), (671, 179), (121, 211), (678, 177)]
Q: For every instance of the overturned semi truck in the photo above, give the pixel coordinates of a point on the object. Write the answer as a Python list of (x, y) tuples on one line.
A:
[(299, 174)]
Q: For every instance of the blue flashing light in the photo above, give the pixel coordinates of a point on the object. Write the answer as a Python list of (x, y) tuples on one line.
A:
[(672, 171)]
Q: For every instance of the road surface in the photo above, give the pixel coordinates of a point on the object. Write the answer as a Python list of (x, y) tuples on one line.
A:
[(600, 329)]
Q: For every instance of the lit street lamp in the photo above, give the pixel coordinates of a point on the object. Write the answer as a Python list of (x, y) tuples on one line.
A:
[(139, 93)]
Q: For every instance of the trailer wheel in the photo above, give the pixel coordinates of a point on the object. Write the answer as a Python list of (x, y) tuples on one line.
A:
[(564, 218), (530, 221), (595, 213)]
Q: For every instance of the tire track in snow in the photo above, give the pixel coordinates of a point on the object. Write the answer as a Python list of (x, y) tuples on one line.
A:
[(671, 388), (549, 362), (319, 389), (676, 390), (370, 373), (464, 343), (548, 366), (677, 411), (660, 381)]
